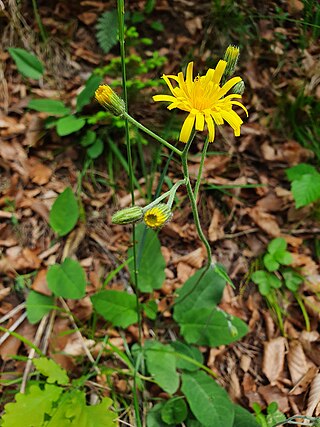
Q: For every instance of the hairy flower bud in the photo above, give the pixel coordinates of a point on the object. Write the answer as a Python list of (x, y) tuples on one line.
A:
[(127, 215), (110, 100), (238, 88), (231, 57), (157, 216)]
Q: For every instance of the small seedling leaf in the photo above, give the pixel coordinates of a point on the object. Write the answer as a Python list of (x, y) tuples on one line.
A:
[(277, 245), (292, 280), (117, 307), (28, 64), (38, 305), (270, 263), (67, 280), (64, 213), (52, 370)]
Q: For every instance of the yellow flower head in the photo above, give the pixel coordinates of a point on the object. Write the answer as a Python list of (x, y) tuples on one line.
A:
[(110, 100), (157, 216), (204, 99)]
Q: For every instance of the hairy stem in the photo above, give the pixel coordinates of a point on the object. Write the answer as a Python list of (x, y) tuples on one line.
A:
[(203, 156)]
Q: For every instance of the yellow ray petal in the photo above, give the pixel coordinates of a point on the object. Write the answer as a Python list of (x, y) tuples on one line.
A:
[(234, 121), (227, 86), (165, 78), (189, 75), (199, 121), (187, 128), (218, 72), (168, 98), (240, 105), (210, 125)]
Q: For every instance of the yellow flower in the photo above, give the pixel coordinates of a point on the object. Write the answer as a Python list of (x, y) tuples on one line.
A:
[(110, 100), (157, 216), (204, 99)]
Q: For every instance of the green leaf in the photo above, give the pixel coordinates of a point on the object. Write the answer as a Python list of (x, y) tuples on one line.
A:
[(211, 327), (88, 138), (261, 278), (221, 271), (69, 124), (52, 370), (292, 280), (38, 305), (243, 418), (73, 412), (150, 309), (187, 350), (277, 245), (296, 172), (161, 363), (203, 289), (154, 417), (50, 106), (67, 280), (107, 30), (64, 213), (274, 281), (284, 258), (270, 263), (208, 401), (150, 261), (306, 190), (30, 409), (86, 95), (27, 64), (174, 411), (117, 307), (95, 149)]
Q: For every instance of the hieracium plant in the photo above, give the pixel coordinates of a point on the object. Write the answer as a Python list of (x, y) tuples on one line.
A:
[(209, 101)]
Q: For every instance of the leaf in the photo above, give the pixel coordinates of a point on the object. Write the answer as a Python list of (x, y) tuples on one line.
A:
[(27, 64), (67, 280), (86, 95), (38, 305), (296, 172), (154, 417), (52, 370), (277, 245), (117, 307), (284, 258), (150, 261), (95, 149), (306, 190), (88, 138), (50, 106), (161, 363), (74, 412), (208, 401), (29, 409), (107, 30), (189, 351), (174, 411), (211, 327), (243, 418), (270, 263), (292, 280), (265, 281), (64, 213), (203, 289), (150, 309), (69, 124)]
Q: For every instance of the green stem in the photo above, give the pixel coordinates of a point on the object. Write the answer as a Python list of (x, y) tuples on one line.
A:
[(184, 160), (171, 193), (154, 135), (303, 310), (203, 156), (120, 5), (39, 22)]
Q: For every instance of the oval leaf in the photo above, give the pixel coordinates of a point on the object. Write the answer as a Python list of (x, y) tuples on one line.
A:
[(69, 124), (64, 213), (67, 280), (51, 106), (38, 305), (27, 64)]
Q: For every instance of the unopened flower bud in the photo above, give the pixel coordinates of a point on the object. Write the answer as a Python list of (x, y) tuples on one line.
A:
[(233, 330), (157, 216), (110, 100), (127, 215), (231, 57), (238, 88)]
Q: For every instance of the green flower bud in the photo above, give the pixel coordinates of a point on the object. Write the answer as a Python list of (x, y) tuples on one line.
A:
[(231, 57), (110, 100), (127, 215), (238, 88)]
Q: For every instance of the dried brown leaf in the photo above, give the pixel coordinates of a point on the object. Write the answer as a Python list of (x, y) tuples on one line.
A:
[(297, 361), (273, 358), (265, 221), (314, 395)]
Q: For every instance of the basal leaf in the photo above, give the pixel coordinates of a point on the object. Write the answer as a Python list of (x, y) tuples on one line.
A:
[(27, 64), (69, 124), (95, 149), (208, 401), (174, 411), (189, 351), (161, 363), (243, 418), (203, 289), (38, 305), (51, 106), (150, 261), (64, 213), (211, 327), (67, 280), (52, 370), (154, 417), (119, 308)]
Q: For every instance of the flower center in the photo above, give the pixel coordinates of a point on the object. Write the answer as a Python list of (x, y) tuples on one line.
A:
[(151, 219), (203, 94)]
